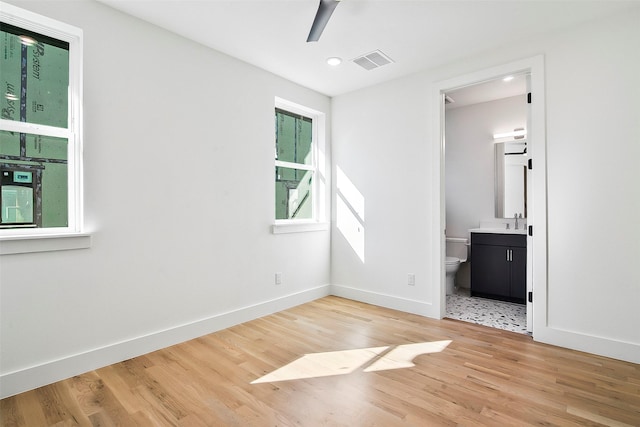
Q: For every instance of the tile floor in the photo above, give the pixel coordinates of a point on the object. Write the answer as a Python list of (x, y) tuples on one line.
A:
[(497, 314)]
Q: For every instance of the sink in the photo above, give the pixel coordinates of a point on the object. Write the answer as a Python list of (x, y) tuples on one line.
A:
[(499, 230)]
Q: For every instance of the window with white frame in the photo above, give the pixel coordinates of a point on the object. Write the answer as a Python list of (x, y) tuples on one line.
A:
[(40, 124), (296, 164)]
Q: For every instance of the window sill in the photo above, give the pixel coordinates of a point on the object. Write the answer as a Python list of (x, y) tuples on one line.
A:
[(44, 243), (299, 228)]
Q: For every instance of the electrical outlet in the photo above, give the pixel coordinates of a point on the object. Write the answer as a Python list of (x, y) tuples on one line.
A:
[(278, 278), (411, 279)]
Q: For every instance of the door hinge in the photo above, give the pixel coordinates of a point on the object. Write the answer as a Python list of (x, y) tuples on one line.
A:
[(531, 230), (529, 98), (530, 164), (530, 298)]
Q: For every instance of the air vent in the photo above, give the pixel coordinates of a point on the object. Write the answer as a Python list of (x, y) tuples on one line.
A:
[(373, 60)]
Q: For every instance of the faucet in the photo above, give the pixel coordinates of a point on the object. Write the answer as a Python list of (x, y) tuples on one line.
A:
[(515, 216)]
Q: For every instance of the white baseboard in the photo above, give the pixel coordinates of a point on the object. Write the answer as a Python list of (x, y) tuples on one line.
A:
[(607, 347), (32, 377), (384, 300)]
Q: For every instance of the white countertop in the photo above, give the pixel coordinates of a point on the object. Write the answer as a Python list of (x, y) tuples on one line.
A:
[(498, 230)]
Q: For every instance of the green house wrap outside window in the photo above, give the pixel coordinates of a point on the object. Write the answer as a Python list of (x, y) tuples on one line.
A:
[(34, 74), (294, 166)]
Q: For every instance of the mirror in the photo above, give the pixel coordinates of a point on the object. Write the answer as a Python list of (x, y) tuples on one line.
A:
[(511, 178)]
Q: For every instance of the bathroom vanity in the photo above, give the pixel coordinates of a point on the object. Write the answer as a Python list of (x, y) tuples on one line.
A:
[(499, 264)]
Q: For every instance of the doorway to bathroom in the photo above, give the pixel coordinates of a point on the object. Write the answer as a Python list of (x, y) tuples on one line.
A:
[(486, 127), (481, 194)]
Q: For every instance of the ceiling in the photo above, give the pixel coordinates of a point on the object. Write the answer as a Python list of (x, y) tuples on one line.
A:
[(415, 34), (487, 91)]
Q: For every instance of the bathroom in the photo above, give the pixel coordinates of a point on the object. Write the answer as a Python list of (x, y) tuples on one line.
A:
[(475, 177)]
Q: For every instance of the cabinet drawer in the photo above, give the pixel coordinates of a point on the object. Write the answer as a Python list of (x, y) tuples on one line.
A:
[(515, 240)]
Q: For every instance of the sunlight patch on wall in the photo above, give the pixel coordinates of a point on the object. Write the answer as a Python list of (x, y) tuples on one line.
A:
[(344, 362), (350, 213), (351, 194)]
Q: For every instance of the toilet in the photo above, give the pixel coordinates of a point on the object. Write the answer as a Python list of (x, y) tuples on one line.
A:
[(457, 253)]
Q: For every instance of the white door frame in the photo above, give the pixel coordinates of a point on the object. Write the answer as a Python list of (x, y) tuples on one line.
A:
[(537, 197)]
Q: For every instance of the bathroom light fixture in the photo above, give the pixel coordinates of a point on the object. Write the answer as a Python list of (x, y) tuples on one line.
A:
[(507, 79), (334, 61), (516, 134)]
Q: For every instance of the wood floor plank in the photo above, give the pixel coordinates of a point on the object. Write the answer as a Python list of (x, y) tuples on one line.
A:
[(11, 411), (483, 377)]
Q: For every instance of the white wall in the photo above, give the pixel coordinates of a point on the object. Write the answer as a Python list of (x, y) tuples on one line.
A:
[(178, 150), (470, 159), (594, 197), (378, 142), (383, 139)]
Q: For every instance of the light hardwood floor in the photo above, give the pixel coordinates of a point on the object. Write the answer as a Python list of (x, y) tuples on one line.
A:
[(484, 376)]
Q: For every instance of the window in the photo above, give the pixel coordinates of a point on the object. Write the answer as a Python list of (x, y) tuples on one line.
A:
[(298, 183), (40, 125)]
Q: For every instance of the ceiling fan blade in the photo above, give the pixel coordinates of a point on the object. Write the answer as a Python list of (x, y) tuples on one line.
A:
[(325, 10)]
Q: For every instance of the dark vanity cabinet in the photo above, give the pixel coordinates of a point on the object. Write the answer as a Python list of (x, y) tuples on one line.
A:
[(499, 266)]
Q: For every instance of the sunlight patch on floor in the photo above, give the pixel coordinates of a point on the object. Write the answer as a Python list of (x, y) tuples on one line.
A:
[(323, 365), (402, 356), (344, 362)]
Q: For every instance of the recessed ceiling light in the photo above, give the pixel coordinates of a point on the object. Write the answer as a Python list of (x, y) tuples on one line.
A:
[(334, 61), (507, 79)]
